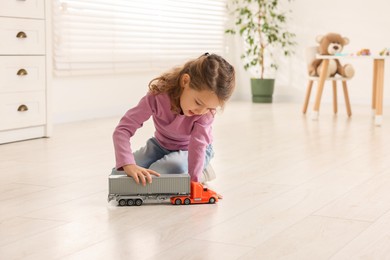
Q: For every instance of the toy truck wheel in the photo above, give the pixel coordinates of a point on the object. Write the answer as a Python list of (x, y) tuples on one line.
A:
[(138, 202), (177, 201), (187, 201), (130, 202), (211, 200), (122, 202)]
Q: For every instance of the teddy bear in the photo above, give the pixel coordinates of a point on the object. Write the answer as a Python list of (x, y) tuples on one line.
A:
[(331, 44)]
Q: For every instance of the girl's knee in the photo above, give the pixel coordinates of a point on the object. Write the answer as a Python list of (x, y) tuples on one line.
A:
[(169, 167)]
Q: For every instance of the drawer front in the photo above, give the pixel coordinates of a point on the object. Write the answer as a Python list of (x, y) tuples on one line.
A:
[(22, 36), (18, 110), (23, 8), (22, 73)]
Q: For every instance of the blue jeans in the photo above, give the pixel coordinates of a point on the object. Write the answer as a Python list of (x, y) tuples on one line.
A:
[(157, 158)]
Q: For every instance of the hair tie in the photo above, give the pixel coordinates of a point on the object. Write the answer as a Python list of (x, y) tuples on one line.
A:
[(206, 54)]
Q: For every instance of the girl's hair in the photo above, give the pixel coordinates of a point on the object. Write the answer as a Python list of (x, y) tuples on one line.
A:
[(208, 72)]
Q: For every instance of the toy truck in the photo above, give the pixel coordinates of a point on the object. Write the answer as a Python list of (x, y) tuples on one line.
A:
[(176, 187)]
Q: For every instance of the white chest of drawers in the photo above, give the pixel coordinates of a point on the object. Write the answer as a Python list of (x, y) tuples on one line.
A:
[(25, 69)]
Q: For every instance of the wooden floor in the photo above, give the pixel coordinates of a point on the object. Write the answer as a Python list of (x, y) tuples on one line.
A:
[(293, 189)]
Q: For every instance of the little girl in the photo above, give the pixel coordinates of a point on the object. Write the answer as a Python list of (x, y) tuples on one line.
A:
[(182, 103)]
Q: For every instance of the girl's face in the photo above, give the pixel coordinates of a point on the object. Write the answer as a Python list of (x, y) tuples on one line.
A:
[(194, 102)]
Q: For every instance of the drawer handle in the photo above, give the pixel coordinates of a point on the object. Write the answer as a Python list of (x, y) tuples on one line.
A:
[(22, 72), (21, 35), (22, 108)]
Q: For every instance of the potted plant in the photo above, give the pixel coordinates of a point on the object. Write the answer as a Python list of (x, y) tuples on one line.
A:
[(262, 25)]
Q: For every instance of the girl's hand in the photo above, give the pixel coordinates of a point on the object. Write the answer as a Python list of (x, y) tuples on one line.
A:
[(219, 196), (139, 173)]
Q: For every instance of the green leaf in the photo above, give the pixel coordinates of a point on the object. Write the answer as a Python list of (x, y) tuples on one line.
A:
[(263, 25)]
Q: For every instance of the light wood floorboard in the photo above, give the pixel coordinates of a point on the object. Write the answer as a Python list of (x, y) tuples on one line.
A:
[(293, 189)]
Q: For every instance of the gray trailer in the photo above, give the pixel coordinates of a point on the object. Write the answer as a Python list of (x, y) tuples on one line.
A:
[(127, 192)]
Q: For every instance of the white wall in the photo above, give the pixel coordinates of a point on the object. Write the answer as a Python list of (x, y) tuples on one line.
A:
[(365, 23), (87, 97)]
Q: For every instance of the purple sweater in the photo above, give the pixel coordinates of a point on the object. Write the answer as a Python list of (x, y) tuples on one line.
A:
[(173, 132)]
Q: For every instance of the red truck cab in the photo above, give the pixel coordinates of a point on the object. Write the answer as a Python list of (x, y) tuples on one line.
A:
[(199, 195)]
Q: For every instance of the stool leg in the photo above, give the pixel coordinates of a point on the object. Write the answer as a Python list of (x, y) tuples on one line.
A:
[(379, 91), (307, 98), (346, 97), (374, 86), (334, 83), (321, 83)]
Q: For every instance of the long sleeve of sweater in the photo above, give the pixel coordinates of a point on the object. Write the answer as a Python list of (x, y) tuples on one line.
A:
[(128, 125), (200, 138)]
